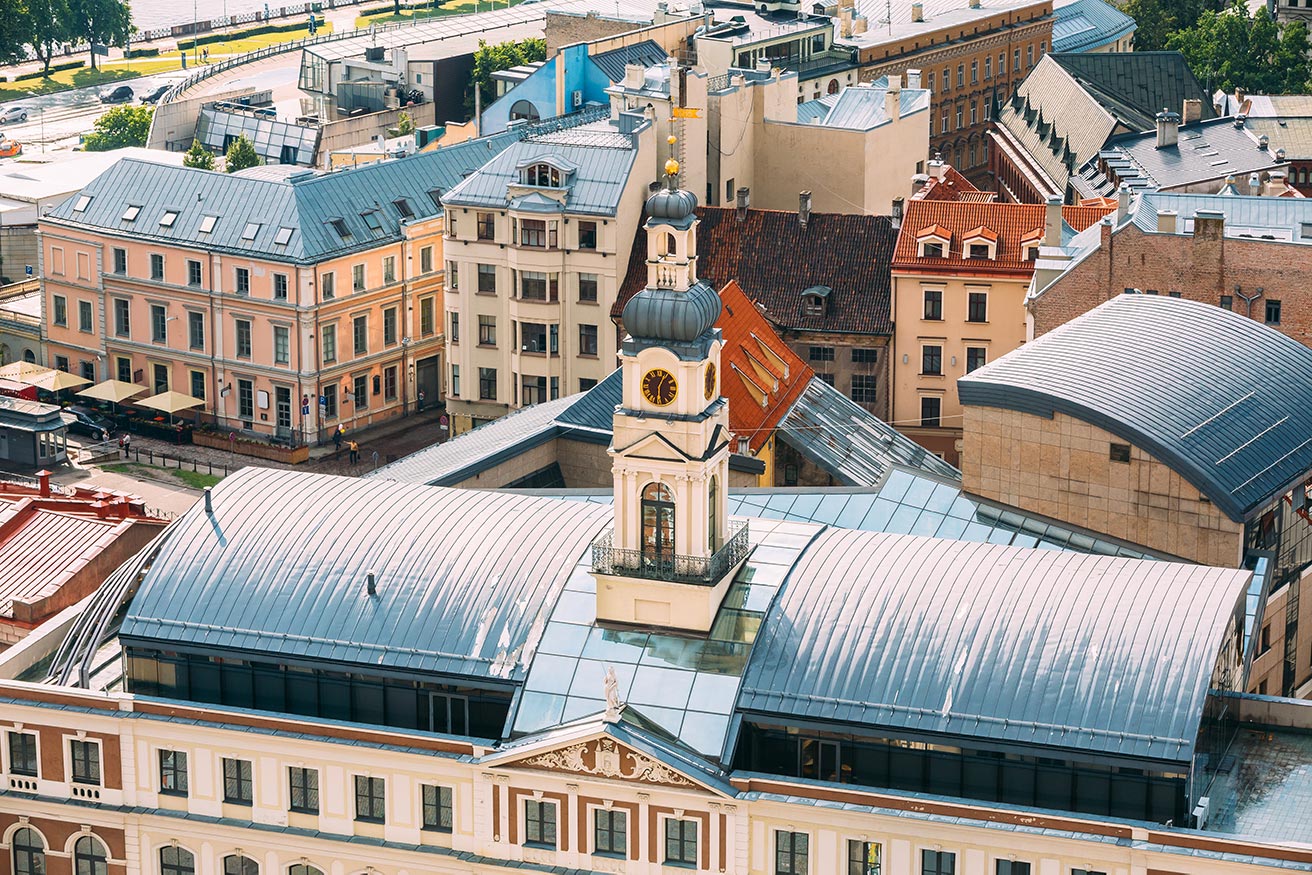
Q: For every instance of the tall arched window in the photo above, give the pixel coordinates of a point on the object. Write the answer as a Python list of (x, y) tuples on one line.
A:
[(176, 861), (29, 852), (303, 869), (235, 864), (90, 857), (712, 518), (657, 523)]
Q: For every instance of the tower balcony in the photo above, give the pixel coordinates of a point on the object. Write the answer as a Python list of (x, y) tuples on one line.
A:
[(609, 560)]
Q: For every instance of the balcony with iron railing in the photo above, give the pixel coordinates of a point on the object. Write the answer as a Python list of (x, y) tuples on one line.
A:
[(648, 565)]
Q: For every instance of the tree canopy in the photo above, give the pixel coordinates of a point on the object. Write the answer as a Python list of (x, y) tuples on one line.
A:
[(198, 156), (15, 30), (48, 27), (1231, 48), (502, 56), (1156, 20), (119, 127), (104, 22), (241, 154)]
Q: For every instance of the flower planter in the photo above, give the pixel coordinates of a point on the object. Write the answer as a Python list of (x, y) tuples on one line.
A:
[(256, 449)]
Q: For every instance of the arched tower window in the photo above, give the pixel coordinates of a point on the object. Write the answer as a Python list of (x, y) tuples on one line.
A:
[(657, 523), (176, 861), (669, 246), (236, 864)]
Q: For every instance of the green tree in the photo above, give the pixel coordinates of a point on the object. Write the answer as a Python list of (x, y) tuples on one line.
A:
[(404, 124), (47, 28), (502, 56), (119, 127), (1156, 20), (198, 157), (15, 29), (107, 22), (241, 154), (1232, 48)]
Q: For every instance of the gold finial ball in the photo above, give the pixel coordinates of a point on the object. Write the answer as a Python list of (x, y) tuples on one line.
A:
[(671, 139), (671, 167)]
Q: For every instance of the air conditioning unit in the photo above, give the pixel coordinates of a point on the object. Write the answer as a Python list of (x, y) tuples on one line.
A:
[(576, 99), (1201, 811)]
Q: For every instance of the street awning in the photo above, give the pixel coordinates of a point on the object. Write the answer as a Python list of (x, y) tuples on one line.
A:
[(170, 402), (113, 390)]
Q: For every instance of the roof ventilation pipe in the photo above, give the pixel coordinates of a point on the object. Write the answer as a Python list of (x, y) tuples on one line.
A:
[(370, 583), (744, 201), (917, 11), (1168, 129), (209, 505)]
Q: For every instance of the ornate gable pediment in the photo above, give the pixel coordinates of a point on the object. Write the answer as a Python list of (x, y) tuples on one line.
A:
[(655, 447), (604, 758)]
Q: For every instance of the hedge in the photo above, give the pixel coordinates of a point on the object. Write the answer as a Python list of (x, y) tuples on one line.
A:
[(143, 53), (242, 34), (54, 68)]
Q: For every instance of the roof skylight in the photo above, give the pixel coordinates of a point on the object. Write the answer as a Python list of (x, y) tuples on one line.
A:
[(251, 229), (207, 224), (283, 237), (130, 214), (169, 217), (82, 203)]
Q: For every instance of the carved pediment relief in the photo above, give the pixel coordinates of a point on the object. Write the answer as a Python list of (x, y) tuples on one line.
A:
[(606, 758)]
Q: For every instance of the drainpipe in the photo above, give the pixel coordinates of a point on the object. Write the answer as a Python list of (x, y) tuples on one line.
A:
[(1249, 299)]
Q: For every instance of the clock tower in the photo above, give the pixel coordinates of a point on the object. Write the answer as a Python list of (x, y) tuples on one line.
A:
[(671, 555)]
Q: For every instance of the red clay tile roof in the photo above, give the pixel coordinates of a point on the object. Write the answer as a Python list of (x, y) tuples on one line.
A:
[(759, 374), (953, 186), (773, 259), (983, 231), (934, 231), (1012, 222)]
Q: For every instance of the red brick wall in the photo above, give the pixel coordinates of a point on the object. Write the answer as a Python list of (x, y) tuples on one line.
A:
[(57, 834), (1202, 267)]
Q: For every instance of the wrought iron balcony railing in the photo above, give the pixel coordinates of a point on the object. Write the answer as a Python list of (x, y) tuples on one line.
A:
[(650, 565)]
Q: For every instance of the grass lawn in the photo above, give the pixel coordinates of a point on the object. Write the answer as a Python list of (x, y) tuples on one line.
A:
[(174, 476), (455, 7)]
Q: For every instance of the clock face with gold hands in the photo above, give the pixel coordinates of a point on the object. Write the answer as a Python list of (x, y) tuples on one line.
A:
[(659, 387), (710, 380)]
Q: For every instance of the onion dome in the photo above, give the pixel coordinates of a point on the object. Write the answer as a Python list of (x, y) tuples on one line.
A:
[(672, 205), (669, 315)]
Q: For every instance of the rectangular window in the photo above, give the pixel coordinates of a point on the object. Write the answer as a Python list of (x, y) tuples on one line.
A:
[(1029, 56), (329, 343), (120, 261), (198, 384), (587, 235), (539, 823), (455, 327), (586, 383), (389, 269), (938, 863), (369, 799), (357, 277), (864, 858), (680, 842), (931, 412), (1002, 63), (124, 366), (1119, 453), (977, 307), (1015, 60), (976, 356), (943, 126), (282, 345), (533, 390), (243, 281), (280, 286), (361, 394), (193, 272), (455, 381), (1227, 302), (243, 338), (328, 286), (791, 853), (1011, 867), (587, 288), (389, 383), (329, 401), (452, 276), (961, 75), (1272, 312), (532, 337), (122, 318), (610, 832), (947, 78), (486, 225), (246, 410), (864, 355), (533, 285), (865, 388), (821, 353), (389, 326), (158, 323), (533, 232), (487, 331), (22, 754), (728, 191), (426, 260), (988, 68), (487, 384), (934, 304), (587, 340), (86, 761), (173, 772), (61, 310), (487, 279), (304, 787), (960, 125), (437, 808), (160, 377), (427, 316), (84, 316), (360, 335), (157, 267), (931, 360)]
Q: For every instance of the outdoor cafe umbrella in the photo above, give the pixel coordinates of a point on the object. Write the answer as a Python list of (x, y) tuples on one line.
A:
[(112, 390), (170, 402), (22, 370), (55, 381)]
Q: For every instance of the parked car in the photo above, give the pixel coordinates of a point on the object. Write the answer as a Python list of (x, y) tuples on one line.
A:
[(10, 148), (121, 94), (83, 420), (14, 112), (154, 96)]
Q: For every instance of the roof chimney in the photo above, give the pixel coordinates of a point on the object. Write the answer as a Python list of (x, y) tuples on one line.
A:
[(43, 482), (1240, 119), (1166, 221), (1263, 142), (974, 4), (1191, 111), (1168, 129), (896, 217), (936, 166), (744, 201), (917, 11), (1209, 224), (893, 97), (1052, 220), (370, 583), (804, 208), (913, 79), (1122, 203), (209, 505)]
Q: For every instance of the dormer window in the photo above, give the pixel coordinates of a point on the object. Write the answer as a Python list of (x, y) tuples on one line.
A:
[(1029, 244), (981, 243), (979, 250), (933, 242), (931, 249), (814, 300), (371, 220), (1032, 252), (542, 176)]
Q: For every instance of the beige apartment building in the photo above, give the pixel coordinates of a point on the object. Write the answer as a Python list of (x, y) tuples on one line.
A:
[(289, 304), (961, 270), (537, 242)]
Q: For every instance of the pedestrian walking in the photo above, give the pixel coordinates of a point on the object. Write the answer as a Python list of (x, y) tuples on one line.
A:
[(421, 400), (338, 434), (355, 452), (127, 443)]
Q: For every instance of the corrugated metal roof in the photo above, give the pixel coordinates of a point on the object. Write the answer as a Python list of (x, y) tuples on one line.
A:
[(647, 53), (1084, 25), (306, 206), (1206, 151), (1222, 399), (862, 107), (932, 637), (38, 555), (1247, 214), (465, 579)]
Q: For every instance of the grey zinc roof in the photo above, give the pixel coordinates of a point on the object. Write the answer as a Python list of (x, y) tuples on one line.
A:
[(647, 53), (465, 579), (1222, 399), (1253, 215), (862, 107), (1207, 151), (928, 637), (1083, 25), (306, 205)]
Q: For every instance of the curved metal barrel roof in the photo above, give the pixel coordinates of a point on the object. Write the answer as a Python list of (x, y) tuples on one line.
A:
[(465, 579), (1222, 399), (928, 637)]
